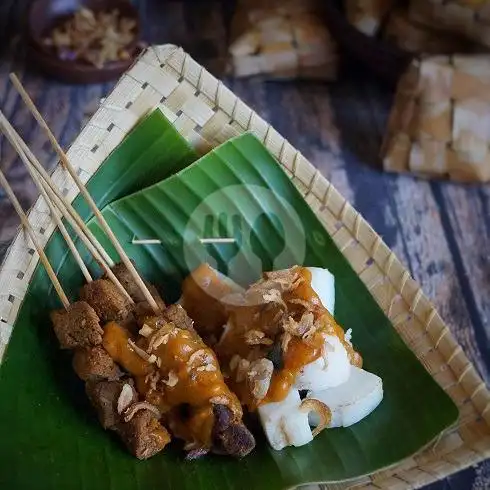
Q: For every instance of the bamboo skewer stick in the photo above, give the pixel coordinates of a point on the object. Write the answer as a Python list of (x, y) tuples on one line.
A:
[(53, 199), (12, 134), (80, 233), (55, 215), (27, 226), (58, 221), (67, 165)]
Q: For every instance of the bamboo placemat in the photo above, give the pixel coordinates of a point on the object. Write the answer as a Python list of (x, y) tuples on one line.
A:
[(207, 114)]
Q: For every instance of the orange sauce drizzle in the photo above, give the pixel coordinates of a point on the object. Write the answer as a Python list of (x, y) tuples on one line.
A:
[(298, 354), (202, 291), (194, 387), (115, 342)]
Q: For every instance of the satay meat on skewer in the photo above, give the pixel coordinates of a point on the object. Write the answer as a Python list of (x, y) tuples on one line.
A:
[(106, 300), (142, 432), (214, 415), (140, 429), (176, 371), (94, 363), (78, 327), (206, 286)]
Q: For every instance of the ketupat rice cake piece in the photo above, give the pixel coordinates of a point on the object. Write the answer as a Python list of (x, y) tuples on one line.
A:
[(351, 401)]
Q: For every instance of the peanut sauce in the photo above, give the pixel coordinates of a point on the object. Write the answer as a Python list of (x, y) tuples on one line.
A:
[(202, 291), (298, 353), (189, 375), (115, 342)]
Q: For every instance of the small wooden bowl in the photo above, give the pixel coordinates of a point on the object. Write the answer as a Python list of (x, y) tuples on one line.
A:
[(45, 14)]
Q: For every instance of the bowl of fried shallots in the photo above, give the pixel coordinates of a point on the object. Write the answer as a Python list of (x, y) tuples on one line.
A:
[(83, 41)]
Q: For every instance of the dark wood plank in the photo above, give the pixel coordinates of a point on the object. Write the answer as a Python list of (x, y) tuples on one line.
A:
[(433, 258)]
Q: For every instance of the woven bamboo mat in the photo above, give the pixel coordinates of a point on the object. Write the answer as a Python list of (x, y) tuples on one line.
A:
[(207, 114)]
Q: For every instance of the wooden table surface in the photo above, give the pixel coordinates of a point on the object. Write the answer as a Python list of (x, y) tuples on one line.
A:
[(439, 230)]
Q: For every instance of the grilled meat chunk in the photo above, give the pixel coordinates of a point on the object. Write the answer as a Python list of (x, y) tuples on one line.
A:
[(230, 437), (106, 300), (95, 363), (77, 327), (143, 435), (129, 284), (104, 396), (179, 317)]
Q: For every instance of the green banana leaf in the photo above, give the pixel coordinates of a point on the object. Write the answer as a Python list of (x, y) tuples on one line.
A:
[(237, 191), (151, 152)]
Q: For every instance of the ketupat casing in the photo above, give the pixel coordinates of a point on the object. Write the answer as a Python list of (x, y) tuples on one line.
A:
[(439, 123), (62, 413)]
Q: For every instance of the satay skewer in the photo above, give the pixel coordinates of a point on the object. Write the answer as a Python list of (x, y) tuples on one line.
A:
[(27, 226), (12, 134), (83, 190), (57, 219), (145, 437), (54, 200)]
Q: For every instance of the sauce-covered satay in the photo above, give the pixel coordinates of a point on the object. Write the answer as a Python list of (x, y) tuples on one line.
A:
[(280, 338), (78, 325), (110, 391), (178, 373), (203, 291)]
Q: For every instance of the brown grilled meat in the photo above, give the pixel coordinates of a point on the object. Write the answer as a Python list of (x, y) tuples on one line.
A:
[(106, 300), (229, 437), (104, 396), (179, 317), (95, 363), (127, 281), (77, 327), (143, 434)]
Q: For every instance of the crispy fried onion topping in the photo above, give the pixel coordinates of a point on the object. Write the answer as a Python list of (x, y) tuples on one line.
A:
[(257, 337), (200, 359), (151, 358), (132, 410), (270, 288), (161, 336), (125, 398), (305, 328), (259, 377), (146, 331), (311, 405), (172, 379)]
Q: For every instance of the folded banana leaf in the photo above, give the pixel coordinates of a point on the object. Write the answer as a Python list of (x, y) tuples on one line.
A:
[(50, 434)]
